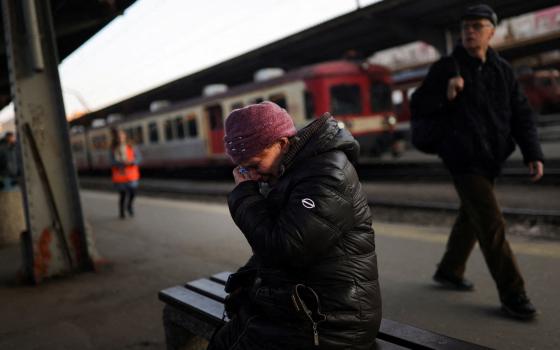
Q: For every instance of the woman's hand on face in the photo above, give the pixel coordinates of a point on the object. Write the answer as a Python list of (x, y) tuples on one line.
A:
[(241, 174)]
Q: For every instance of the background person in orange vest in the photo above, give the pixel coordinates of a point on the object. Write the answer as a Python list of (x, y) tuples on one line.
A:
[(125, 158)]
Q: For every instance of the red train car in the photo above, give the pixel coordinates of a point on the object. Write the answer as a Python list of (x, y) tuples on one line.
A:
[(542, 88), (190, 133)]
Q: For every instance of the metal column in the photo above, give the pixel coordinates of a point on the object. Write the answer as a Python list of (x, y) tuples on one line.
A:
[(55, 242)]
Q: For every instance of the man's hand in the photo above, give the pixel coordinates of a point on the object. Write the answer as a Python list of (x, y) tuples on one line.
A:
[(454, 86), (536, 170)]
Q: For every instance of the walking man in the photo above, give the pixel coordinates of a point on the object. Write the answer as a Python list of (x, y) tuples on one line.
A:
[(471, 107)]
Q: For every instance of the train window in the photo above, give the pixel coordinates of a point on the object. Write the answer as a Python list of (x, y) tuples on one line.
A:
[(280, 100), (139, 135), (180, 127), (192, 127), (99, 142), (544, 82), (397, 97), (257, 100), (345, 99), (309, 105), (77, 147), (153, 132), (236, 105), (380, 97), (168, 129)]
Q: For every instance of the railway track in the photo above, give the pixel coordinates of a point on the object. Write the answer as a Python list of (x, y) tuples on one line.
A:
[(513, 172), (372, 170), (397, 197)]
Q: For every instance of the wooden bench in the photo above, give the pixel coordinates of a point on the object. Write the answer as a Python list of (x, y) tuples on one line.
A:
[(194, 310)]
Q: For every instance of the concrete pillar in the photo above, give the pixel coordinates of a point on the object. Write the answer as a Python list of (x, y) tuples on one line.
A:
[(12, 216)]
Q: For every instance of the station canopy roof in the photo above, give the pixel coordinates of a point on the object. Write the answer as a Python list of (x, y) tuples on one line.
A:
[(75, 22), (358, 34)]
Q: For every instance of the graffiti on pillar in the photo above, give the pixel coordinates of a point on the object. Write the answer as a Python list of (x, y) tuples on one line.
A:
[(42, 255)]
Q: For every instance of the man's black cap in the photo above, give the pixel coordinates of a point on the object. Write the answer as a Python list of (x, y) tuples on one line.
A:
[(481, 11)]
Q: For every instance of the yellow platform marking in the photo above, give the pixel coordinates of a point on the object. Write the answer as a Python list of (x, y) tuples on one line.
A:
[(440, 234)]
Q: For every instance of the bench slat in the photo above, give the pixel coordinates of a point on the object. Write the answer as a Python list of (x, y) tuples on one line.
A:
[(209, 288), (182, 298), (381, 344), (211, 311), (410, 336), (204, 297), (221, 277)]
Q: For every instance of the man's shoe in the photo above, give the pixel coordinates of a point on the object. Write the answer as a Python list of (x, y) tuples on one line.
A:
[(450, 281), (518, 306)]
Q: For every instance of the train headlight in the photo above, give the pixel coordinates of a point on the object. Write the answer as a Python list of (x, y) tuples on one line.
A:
[(341, 125), (391, 120)]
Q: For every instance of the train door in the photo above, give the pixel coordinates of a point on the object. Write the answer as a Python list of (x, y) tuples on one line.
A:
[(216, 128)]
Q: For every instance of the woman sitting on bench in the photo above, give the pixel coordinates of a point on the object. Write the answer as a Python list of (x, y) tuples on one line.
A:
[(312, 281)]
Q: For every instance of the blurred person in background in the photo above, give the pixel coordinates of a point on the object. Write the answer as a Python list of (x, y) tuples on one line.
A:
[(9, 162), (471, 107), (125, 159), (300, 205)]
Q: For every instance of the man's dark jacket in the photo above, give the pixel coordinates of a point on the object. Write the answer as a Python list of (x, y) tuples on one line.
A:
[(477, 131), (314, 228)]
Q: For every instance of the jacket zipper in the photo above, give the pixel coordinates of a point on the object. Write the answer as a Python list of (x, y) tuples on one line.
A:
[(315, 334), (309, 315)]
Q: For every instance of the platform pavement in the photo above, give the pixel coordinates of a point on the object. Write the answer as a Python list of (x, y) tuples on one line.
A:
[(174, 241)]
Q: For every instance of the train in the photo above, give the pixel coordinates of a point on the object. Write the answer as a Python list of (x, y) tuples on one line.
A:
[(190, 133), (542, 88)]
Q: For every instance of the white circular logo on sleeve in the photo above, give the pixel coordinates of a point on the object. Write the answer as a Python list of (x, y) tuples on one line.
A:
[(308, 203)]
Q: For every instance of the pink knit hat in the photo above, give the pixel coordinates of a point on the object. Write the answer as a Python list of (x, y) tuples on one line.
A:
[(251, 129)]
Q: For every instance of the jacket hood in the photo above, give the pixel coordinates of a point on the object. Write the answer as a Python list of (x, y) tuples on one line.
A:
[(320, 136)]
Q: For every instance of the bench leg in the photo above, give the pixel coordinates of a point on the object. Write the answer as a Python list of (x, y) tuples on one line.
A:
[(177, 335)]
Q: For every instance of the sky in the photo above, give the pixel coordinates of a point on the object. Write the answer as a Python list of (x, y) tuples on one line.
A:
[(158, 41)]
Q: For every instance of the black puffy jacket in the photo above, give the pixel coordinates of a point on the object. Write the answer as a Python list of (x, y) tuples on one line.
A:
[(315, 228), (481, 126)]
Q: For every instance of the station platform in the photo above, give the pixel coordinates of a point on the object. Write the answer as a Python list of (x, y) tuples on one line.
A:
[(171, 241), (530, 209)]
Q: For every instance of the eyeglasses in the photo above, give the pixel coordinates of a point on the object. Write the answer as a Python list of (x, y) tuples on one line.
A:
[(475, 26)]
